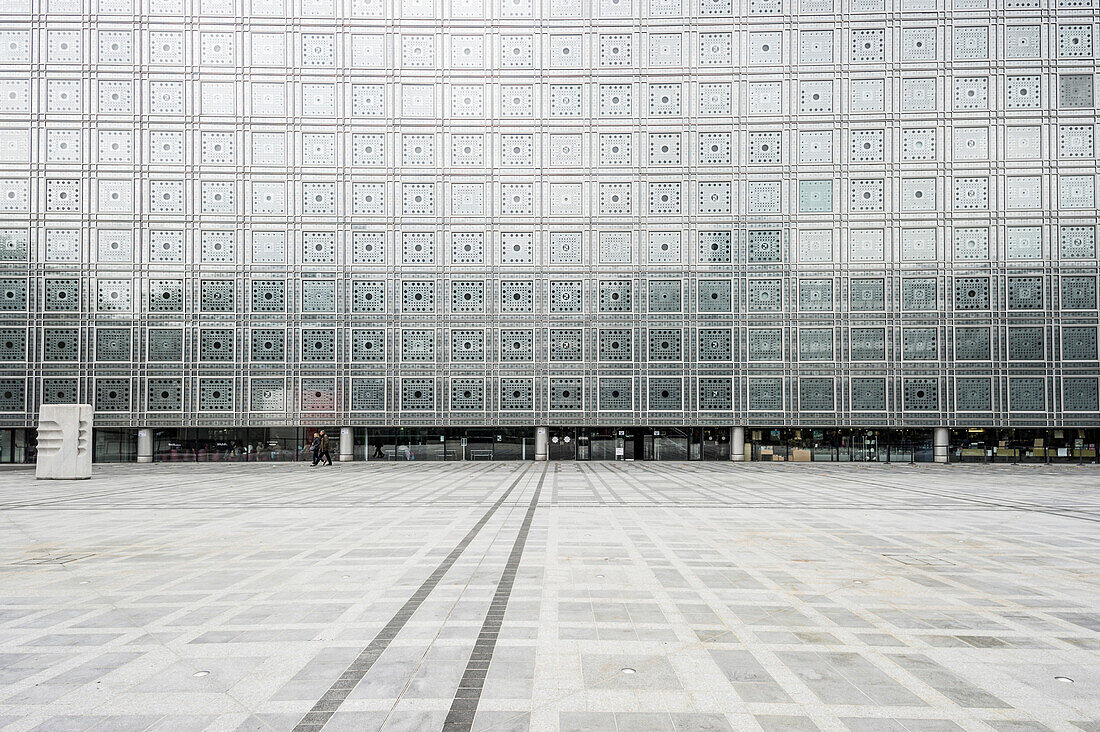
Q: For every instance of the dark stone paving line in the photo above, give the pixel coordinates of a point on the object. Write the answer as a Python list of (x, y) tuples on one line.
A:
[(326, 706), (460, 717)]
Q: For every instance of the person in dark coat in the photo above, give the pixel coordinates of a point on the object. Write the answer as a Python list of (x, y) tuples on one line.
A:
[(315, 448), (326, 457)]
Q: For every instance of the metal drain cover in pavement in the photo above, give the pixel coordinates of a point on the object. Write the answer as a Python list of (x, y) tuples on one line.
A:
[(54, 559), (920, 560)]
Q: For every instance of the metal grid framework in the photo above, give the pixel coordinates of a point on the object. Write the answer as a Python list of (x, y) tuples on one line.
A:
[(814, 212)]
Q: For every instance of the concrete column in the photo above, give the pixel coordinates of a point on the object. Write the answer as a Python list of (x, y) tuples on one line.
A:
[(542, 442), (347, 444), (940, 444), (737, 444), (145, 445)]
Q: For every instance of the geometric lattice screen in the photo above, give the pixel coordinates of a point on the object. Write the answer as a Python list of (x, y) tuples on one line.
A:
[(798, 211)]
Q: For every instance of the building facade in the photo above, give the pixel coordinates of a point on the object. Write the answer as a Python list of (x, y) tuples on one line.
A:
[(446, 214)]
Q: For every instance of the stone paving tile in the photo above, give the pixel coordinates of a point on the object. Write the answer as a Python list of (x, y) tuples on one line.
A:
[(743, 597)]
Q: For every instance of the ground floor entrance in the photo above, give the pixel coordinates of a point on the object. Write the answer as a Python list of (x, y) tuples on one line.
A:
[(639, 443), (604, 443), (978, 445), (804, 445), (18, 445), (444, 443)]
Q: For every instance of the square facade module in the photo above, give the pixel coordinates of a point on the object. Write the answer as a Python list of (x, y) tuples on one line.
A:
[(804, 212)]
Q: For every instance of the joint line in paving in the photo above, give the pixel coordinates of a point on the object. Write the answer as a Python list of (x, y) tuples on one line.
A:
[(321, 712), (460, 717)]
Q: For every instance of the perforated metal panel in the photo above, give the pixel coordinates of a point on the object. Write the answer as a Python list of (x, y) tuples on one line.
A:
[(868, 394), (516, 394), (112, 395), (517, 345), (216, 344), (1079, 343), (60, 391), (268, 296), (1026, 344), (13, 395), (467, 297), (815, 295), (467, 394), (973, 394), (165, 344), (318, 344), (868, 344), (13, 344), (368, 296), (1025, 293), (566, 393), (765, 394), (1078, 292), (368, 345), (867, 294), (267, 395), (972, 343), (616, 296), (920, 344), (61, 295), (304, 200), (665, 344), (715, 247), (467, 344), (267, 344), (714, 296), (368, 395), (418, 345), (971, 293), (216, 296), (920, 394), (765, 245), (918, 293), (765, 296), (765, 344), (13, 294), (318, 296), (616, 395), (666, 394), (816, 395), (1079, 394), (216, 395), (715, 394), (165, 395), (815, 344), (418, 296), (566, 344), (715, 344), (61, 344), (417, 395)]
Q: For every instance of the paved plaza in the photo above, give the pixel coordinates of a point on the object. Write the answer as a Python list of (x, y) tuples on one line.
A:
[(559, 596)]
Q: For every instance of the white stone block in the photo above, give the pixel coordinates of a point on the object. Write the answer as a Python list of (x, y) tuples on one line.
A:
[(64, 442)]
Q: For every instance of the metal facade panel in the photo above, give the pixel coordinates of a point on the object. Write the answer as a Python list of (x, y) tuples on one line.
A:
[(878, 212)]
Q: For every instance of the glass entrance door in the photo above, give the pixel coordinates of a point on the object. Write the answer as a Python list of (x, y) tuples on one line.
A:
[(563, 444), (859, 446)]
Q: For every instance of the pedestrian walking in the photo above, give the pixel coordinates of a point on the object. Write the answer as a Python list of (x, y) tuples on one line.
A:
[(326, 457), (315, 448)]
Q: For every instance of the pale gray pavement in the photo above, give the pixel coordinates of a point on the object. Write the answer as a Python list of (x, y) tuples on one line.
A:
[(743, 597)]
